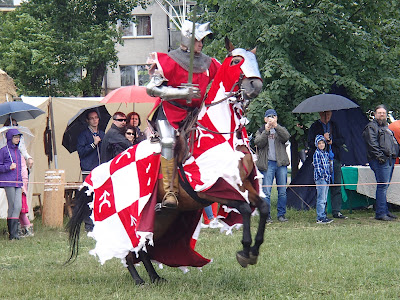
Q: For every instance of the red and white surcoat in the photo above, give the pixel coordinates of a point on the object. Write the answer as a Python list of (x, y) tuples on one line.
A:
[(176, 76)]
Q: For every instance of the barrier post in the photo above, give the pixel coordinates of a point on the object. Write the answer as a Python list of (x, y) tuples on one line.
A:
[(53, 200)]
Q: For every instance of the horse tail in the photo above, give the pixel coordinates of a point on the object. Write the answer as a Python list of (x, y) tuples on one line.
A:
[(81, 211)]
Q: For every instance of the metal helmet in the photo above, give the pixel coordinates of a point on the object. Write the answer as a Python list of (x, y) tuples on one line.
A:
[(201, 31), (250, 65)]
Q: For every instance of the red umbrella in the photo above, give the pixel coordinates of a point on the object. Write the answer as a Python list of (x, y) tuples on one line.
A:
[(129, 94), (395, 127)]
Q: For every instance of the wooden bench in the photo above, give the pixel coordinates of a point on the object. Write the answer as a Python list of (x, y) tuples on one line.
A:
[(39, 195), (69, 192)]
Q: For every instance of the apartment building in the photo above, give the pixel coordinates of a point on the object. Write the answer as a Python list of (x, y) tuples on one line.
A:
[(152, 31)]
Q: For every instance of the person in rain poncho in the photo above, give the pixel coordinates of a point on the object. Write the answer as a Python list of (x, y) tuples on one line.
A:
[(11, 180)]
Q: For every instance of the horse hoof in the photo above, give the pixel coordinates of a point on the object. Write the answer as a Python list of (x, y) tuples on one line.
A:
[(159, 280), (140, 282), (253, 259), (242, 260)]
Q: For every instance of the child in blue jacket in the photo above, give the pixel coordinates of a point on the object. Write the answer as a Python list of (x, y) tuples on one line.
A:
[(322, 177)]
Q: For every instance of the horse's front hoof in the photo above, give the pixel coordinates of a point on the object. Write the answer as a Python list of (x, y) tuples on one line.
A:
[(242, 259), (140, 282), (159, 280), (253, 259)]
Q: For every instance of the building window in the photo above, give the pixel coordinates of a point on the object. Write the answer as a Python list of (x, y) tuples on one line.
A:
[(135, 74), (139, 28), (127, 75)]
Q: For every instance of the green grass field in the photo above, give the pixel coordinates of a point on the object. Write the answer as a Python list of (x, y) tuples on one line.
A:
[(356, 258)]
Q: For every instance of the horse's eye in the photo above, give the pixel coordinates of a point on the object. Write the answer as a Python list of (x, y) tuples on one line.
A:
[(236, 60)]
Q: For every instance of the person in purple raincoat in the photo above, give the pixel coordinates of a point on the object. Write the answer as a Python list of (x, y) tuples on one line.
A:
[(11, 180)]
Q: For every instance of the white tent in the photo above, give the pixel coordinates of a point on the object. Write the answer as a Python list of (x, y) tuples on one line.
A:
[(63, 110)]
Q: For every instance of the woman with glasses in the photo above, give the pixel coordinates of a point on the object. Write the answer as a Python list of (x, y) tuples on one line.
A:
[(130, 134), (133, 119)]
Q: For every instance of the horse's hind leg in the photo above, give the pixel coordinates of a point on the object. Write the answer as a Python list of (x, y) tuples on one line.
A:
[(154, 277), (243, 256), (132, 270)]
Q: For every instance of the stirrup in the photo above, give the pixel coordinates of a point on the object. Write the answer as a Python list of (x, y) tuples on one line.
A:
[(158, 207), (154, 139), (168, 204)]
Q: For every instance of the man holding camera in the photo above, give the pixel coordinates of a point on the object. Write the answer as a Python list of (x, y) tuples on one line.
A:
[(326, 127), (273, 160)]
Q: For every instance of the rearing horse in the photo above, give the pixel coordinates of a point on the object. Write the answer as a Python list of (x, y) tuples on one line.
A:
[(230, 179)]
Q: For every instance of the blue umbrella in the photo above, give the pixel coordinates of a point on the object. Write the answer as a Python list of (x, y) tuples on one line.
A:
[(18, 111)]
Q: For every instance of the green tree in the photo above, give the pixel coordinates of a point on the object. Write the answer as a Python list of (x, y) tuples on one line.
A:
[(44, 44), (306, 47)]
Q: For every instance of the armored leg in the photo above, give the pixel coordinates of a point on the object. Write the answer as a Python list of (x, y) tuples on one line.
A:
[(170, 182), (168, 165)]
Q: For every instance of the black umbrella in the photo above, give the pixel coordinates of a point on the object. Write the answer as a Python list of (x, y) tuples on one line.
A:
[(78, 123), (324, 102)]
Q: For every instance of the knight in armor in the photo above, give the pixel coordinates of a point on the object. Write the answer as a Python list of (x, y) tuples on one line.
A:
[(169, 72)]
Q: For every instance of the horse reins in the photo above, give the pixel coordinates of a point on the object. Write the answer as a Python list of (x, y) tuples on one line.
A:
[(231, 94)]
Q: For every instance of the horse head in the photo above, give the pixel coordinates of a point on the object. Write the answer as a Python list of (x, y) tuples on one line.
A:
[(250, 79)]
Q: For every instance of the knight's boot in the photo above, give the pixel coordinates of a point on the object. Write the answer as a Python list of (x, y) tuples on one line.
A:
[(170, 182)]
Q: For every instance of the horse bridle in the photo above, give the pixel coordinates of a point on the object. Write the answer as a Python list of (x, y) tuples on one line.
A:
[(191, 128), (230, 95), (231, 92)]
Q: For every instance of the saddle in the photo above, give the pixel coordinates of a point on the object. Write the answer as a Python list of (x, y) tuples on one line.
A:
[(186, 137)]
